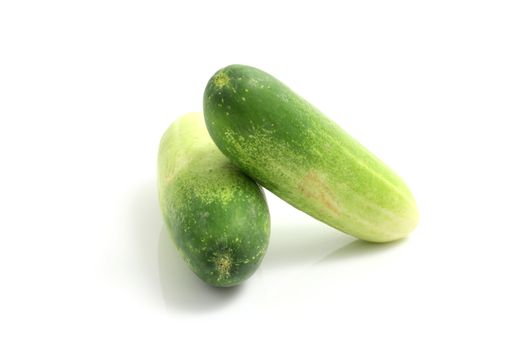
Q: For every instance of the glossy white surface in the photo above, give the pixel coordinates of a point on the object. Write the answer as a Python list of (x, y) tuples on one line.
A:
[(87, 89)]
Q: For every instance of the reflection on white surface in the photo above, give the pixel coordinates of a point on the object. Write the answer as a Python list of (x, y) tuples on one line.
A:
[(297, 240), (300, 242), (358, 249), (145, 219)]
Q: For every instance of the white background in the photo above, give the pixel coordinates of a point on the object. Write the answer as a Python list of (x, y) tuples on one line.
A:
[(434, 88)]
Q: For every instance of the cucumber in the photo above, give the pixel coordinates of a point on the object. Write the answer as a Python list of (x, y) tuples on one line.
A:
[(216, 215), (288, 146)]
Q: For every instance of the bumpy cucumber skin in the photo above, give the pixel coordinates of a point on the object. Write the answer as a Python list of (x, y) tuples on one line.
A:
[(288, 146), (216, 215)]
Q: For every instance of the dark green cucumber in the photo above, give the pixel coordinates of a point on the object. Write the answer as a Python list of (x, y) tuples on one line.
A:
[(216, 215), (292, 149)]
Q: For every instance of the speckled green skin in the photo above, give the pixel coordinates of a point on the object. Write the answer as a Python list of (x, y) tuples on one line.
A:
[(292, 149), (216, 215)]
